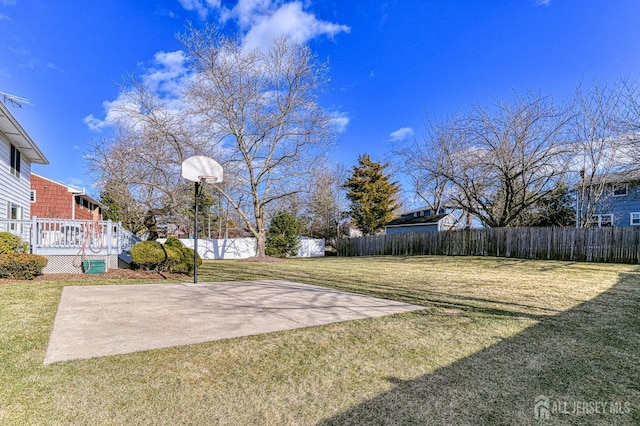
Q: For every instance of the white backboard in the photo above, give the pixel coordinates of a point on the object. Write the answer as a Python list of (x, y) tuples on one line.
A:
[(199, 167)]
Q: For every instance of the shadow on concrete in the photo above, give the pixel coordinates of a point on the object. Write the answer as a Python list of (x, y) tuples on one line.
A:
[(590, 353)]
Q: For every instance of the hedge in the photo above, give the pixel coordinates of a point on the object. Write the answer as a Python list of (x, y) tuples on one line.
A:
[(10, 243), (148, 255), (21, 266), (171, 256)]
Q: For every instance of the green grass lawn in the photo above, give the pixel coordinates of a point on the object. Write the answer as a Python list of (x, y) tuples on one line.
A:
[(498, 333)]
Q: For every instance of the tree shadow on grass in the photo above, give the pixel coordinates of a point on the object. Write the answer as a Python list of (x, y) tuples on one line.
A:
[(588, 354)]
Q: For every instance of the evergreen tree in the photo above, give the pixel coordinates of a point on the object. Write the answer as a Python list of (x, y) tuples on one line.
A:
[(282, 237), (121, 207), (555, 209), (205, 201), (371, 194)]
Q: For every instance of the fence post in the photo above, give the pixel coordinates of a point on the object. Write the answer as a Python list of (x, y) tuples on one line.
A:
[(109, 236), (33, 235), (119, 237)]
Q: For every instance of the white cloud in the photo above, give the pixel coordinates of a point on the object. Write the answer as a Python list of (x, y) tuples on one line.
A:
[(259, 20), (54, 67), (201, 7), (5, 18), (93, 123), (262, 20), (402, 134), (288, 20), (166, 76), (543, 2), (248, 12), (340, 120), (166, 72), (8, 2)]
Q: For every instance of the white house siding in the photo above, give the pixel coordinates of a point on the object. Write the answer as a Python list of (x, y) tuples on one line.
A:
[(14, 189)]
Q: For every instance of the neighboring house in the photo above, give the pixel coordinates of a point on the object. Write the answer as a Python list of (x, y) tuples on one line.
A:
[(620, 203), (54, 200), (17, 153), (426, 220), (66, 244)]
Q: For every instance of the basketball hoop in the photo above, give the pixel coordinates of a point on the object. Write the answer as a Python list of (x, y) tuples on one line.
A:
[(199, 169), (207, 179)]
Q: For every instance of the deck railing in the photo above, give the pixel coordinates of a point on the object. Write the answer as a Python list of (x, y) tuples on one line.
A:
[(48, 236), (21, 228)]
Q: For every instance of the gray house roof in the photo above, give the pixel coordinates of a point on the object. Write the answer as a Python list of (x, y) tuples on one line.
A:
[(16, 135), (621, 177), (419, 220)]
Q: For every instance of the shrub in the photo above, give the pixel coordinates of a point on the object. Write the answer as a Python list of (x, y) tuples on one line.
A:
[(187, 263), (21, 266), (175, 259), (171, 256), (10, 243), (148, 255), (173, 242)]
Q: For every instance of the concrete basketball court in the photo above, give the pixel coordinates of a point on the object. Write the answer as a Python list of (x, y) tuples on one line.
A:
[(95, 321)]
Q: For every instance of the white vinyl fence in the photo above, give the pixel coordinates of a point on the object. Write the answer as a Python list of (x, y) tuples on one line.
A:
[(310, 247), (231, 248), (244, 248)]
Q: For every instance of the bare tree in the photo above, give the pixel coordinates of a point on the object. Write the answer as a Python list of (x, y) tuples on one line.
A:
[(500, 161), (422, 163), (601, 140), (145, 153), (261, 107), (254, 111), (327, 203)]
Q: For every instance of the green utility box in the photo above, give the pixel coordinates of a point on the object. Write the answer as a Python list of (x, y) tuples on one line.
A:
[(96, 266)]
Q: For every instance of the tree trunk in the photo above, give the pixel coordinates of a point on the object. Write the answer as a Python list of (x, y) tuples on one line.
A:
[(152, 225), (261, 245), (260, 234)]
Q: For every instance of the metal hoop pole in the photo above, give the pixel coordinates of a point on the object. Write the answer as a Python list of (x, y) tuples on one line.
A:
[(195, 236)]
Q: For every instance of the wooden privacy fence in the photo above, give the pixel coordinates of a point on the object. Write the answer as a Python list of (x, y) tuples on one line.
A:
[(615, 244)]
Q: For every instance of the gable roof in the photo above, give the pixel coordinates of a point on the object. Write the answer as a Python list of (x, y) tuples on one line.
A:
[(619, 177), (82, 193), (419, 220), (427, 208), (17, 136)]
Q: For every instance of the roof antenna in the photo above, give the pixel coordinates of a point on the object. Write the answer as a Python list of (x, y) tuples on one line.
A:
[(16, 101)]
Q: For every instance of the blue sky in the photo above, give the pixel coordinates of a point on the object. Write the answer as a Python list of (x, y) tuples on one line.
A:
[(391, 61)]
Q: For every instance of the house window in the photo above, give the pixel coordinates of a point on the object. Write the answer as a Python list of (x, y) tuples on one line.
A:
[(33, 196), (620, 190), (14, 212), (15, 161), (601, 221), (635, 219), (606, 220)]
